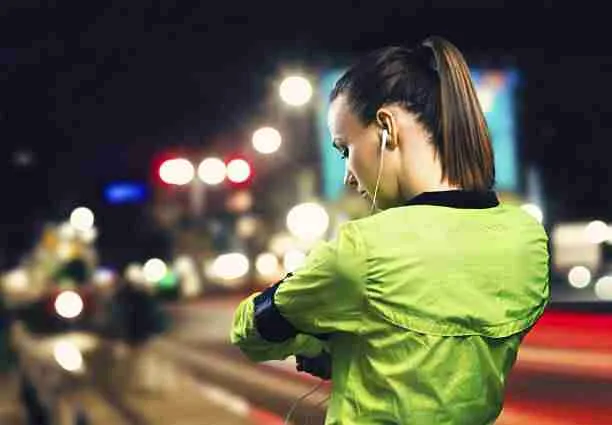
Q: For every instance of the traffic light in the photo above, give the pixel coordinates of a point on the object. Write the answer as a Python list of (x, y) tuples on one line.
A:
[(179, 171)]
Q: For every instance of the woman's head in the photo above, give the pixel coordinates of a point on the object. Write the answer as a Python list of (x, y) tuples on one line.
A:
[(425, 99)]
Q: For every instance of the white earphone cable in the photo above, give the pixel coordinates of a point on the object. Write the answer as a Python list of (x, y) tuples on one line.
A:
[(299, 400), (380, 167)]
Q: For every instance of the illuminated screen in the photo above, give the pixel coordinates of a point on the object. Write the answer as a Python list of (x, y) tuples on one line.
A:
[(497, 93)]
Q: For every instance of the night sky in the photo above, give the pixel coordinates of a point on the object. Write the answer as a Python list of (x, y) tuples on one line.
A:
[(89, 93)]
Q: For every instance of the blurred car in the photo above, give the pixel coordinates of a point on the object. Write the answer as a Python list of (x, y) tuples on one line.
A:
[(52, 335)]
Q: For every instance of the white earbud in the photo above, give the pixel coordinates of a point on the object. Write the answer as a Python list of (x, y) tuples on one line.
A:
[(383, 140)]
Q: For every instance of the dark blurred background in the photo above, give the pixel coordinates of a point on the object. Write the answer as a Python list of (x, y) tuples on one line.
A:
[(121, 262), (89, 93)]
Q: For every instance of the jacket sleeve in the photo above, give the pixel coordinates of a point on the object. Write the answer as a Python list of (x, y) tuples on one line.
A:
[(323, 297), (245, 336)]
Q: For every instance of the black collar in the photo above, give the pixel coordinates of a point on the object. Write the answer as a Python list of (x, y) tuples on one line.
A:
[(456, 199)]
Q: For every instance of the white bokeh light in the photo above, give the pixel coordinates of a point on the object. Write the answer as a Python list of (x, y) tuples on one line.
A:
[(597, 232), (238, 170), (89, 235), (82, 218), (603, 288), (267, 264), (154, 270), (212, 171), (308, 221), (230, 266), (65, 250), (178, 171), (184, 264), (281, 243), (295, 90), (16, 280), (68, 304), (534, 211), (66, 231), (103, 276), (68, 356), (134, 273), (267, 140), (246, 226), (579, 277), (293, 260)]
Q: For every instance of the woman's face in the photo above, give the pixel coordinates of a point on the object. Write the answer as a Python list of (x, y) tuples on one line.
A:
[(359, 145)]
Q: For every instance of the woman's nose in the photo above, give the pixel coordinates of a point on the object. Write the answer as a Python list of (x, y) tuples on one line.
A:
[(349, 178)]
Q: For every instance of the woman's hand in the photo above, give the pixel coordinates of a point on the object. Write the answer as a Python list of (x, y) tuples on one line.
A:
[(320, 366)]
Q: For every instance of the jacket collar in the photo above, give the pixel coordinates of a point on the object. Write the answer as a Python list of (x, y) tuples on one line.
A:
[(456, 199)]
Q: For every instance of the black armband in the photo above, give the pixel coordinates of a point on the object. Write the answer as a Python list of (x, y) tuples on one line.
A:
[(269, 322)]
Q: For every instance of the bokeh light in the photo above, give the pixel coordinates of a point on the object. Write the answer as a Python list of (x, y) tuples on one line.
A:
[(267, 140), (68, 356), (230, 266), (267, 264), (579, 277), (293, 260), (177, 171), (534, 211), (597, 232), (603, 288), (212, 171), (68, 304), (308, 221), (154, 270), (82, 218), (238, 170), (295, 90)]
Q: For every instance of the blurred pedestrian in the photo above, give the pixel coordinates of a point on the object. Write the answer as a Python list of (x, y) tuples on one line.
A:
[(422, 306), (138, 319)]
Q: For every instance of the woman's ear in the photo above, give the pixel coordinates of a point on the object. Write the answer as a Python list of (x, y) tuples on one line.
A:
[(386, 120)]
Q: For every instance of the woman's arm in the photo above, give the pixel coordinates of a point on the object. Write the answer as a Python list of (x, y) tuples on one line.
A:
[(325, 296), (246, 337)]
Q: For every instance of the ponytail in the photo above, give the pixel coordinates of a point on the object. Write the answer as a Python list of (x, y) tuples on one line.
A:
[(463, 143)]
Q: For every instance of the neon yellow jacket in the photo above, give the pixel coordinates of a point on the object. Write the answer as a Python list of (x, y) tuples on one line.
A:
[(425, 306)]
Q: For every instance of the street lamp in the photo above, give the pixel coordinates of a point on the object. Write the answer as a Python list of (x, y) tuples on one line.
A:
[(295, 90), (266, 140)]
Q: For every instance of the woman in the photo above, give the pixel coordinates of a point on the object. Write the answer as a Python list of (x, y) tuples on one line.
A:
[(422, 306)]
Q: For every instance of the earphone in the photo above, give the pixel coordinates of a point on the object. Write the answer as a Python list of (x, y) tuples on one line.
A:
[(383, 139), (383, 144)]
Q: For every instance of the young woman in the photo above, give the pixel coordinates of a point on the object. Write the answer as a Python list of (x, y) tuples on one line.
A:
[(423, 306)]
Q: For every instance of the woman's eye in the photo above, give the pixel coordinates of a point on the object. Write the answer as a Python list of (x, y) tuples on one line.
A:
[(344, 152)]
